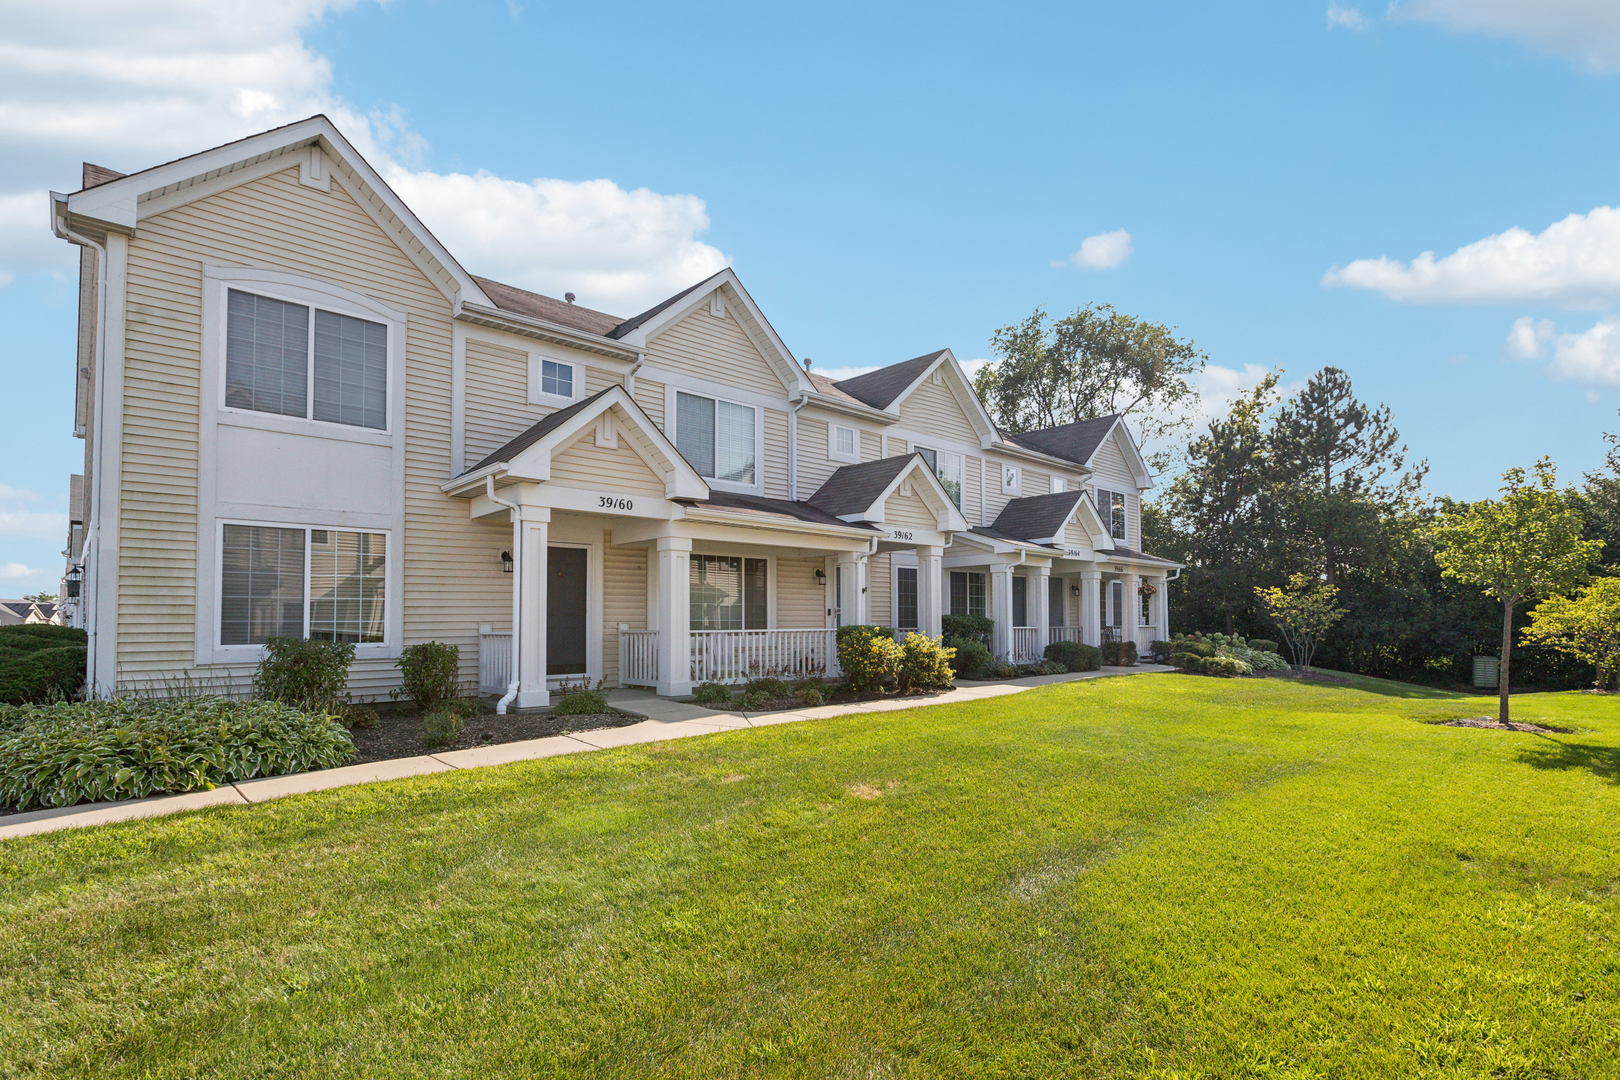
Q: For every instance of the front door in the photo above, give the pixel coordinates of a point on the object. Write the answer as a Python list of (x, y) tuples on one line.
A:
[(565, 611)]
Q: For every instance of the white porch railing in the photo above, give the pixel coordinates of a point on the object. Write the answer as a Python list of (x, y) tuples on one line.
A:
[(1145, 637), (729, 656), (494, 662), (638, 657), (1026, 641), (1067, 633)]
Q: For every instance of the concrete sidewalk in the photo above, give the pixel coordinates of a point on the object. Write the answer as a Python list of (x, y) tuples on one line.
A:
[(663, 719)]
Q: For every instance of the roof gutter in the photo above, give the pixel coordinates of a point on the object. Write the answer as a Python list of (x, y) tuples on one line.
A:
[(1038, 457), (721, 517), (850, 408), (543, 328)]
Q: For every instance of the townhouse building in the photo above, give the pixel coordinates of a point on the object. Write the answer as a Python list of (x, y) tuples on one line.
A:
[(303, 417)]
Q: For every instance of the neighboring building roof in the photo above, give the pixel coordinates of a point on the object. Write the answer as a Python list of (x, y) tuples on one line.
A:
[(533, 304), (854, 488), (776, 508), (1037, 515), (538, 431), (1075, 442), (827, 388), (879, 388), (96, 175)]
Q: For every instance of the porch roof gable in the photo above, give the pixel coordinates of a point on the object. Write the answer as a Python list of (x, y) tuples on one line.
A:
[(857, 491)]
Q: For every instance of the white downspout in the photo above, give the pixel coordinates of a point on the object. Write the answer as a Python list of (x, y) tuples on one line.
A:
[(517, 588), (93, 524), (793, 445), (630, 376)]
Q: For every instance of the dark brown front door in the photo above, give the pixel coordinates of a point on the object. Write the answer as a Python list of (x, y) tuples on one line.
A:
[(565, 611)]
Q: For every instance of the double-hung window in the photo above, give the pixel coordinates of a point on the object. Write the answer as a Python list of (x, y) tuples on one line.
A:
[(948, 467), (843, 443), (556, 379), (728, 592), (1111, 507), (967, 593), (905, 598), (326, 584), (716, 437), (297, 359)]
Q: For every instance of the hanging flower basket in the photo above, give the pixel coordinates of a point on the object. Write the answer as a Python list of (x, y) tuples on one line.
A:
[(1146, 588)]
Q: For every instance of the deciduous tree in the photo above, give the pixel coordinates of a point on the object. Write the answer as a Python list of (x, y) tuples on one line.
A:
[(1586, 627), (1304, 612)]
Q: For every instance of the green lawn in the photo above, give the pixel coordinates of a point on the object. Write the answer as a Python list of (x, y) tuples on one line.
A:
[(1158, 876)]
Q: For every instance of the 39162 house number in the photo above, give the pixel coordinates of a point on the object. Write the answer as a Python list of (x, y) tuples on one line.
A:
[(901, 534), (614, 502)]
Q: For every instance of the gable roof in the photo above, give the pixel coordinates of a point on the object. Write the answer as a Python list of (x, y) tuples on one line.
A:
[(536, 306), (1075, 442), (1037, 516), (631, 324), (776, 508), (852, 489), (537, 431), (880, 388)]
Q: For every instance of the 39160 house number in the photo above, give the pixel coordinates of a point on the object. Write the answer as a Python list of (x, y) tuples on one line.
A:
[(614, 502)]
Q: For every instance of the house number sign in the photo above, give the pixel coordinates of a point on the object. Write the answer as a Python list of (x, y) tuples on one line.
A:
[(614, 502), (900, 534)]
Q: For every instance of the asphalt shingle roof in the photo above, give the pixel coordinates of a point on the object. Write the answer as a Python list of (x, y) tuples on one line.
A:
[(854, 488), (1037, 515), (1073, 442), (536, 306), (537, 432), (879, 388), (636, 320), (777, 508)]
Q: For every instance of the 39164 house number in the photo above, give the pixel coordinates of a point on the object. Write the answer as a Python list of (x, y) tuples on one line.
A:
[(614, 502)]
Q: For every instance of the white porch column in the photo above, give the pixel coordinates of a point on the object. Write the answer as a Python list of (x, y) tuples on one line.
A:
[(1001, 610), (852, 602), (534, 527), (674, 616), (1161, 609), (1040, 578), (1090, 606), (1131, 623), (930, 589)]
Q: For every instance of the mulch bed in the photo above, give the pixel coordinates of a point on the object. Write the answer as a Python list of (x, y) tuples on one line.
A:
[(401, 735), (1493, 724)]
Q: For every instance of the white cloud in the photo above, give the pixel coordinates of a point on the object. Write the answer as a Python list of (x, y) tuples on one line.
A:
[(20, 519), (1586, 31), (1574, 262), (135, 85), (18, 578), (1349, 18), (1590, 358), (1103, 251)]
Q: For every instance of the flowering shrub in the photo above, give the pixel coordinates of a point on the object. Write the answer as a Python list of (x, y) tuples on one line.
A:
[(868, 656), (924, 664)]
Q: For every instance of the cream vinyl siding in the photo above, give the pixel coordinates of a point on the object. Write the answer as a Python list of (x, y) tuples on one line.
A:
[(624, 600), (880, 589), (972, 502), (650, 396), (594, 468), (714, 349), (893, 446), (1111, 473), (277, 222), (994, 500), (775, 465), (498, 408), (934, 409), (801, 602), (1075, 532), (910, 510), (871, 444), (1036, 483), (814, 465), (597, 380)]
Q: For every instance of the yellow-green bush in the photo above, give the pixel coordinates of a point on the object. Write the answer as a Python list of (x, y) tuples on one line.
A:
[(924, 664)]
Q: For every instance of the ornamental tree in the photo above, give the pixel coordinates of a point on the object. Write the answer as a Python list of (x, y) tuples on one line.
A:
[(1526, 545), (1304, 612), (1586, 627)]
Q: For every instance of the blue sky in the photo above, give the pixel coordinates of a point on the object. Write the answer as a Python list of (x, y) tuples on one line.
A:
[(890, 180)]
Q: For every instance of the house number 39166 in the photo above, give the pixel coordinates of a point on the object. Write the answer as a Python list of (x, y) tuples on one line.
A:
[(611, 502)]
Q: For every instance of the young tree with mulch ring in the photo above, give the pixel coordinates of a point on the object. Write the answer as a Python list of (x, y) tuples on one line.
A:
[(1524, 546)]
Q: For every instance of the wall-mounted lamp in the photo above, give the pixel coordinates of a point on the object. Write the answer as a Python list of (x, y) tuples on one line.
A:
[(1075, 589), (506, 562), (75, 574), (821, 576)]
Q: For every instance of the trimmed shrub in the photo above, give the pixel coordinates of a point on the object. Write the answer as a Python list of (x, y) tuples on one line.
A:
[(586, 703), (1160, 651), (1225, 667), (967, 628), (99, 751), (359, 717), (1195, 646), (971, 658), (809, 696), (1068, 654), (442, 725), (1119, 653), (1089, 659), (1262, 645), (868, 656), (1187, 661), (925, 664), (33, 637), (753, 702), (1052, 667), (306, 674), (1001, 669), (429, 672), (38, 676), (767, 689), (802, 685), (712, 693)]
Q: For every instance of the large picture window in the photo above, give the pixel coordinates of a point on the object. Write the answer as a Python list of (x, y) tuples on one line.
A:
[(729, 592), (948, 467), (301, 582), (967, 593), (298, 360), (1111, 506), (905, 598), (716, 437)]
